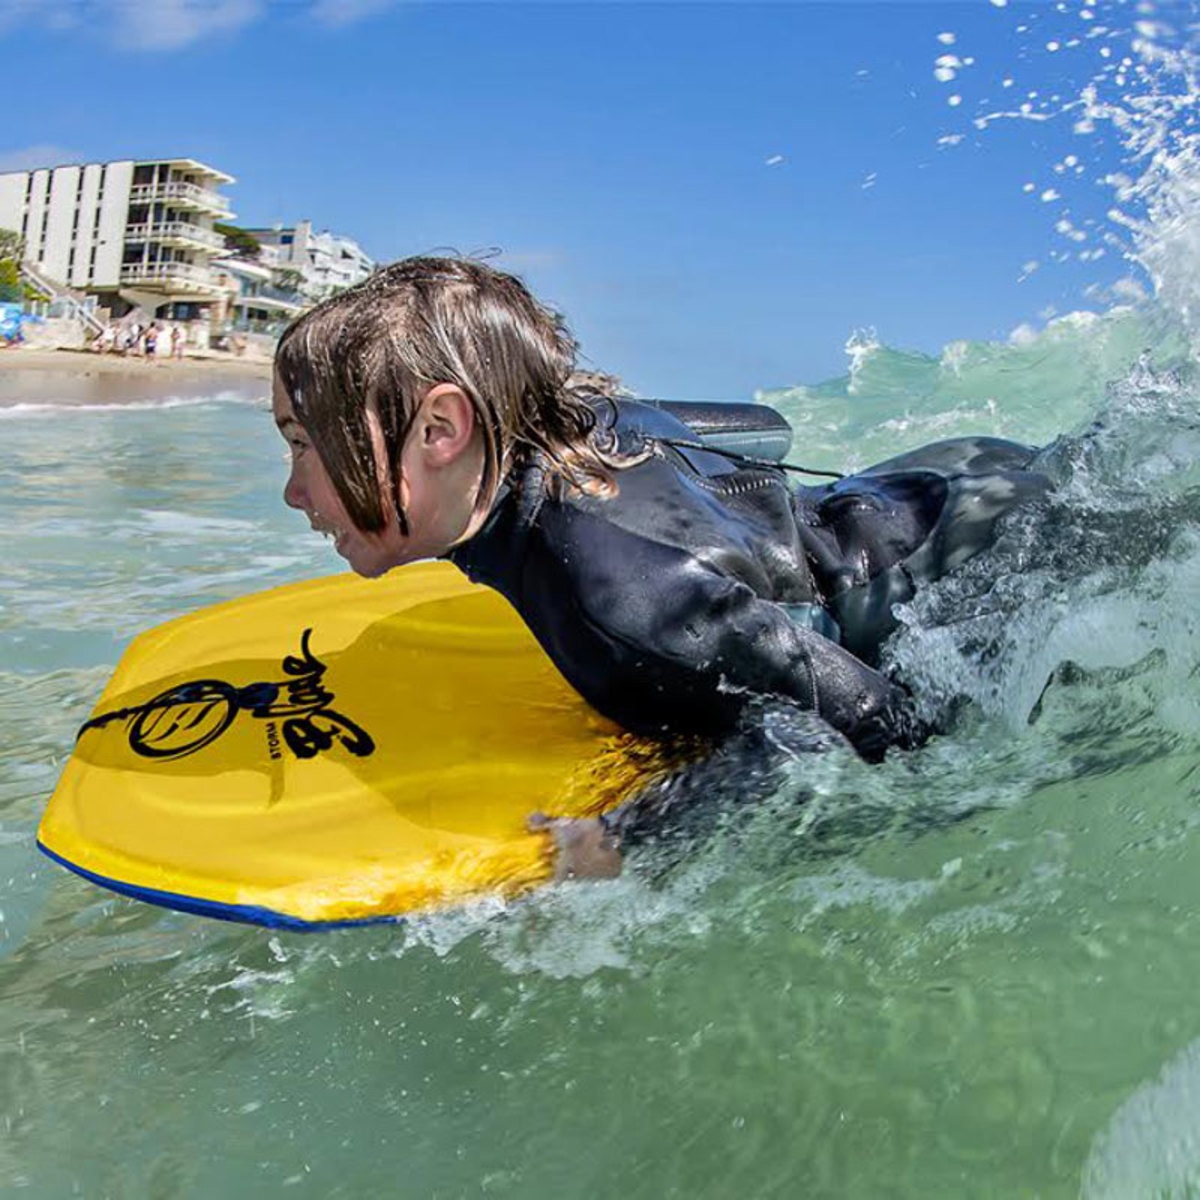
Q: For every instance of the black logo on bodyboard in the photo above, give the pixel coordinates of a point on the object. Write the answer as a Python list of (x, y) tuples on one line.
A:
[(189, 716)]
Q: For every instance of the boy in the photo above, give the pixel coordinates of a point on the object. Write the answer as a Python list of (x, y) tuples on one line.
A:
[(431, 414)]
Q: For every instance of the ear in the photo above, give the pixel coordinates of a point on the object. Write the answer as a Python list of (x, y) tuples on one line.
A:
[(445, 424)]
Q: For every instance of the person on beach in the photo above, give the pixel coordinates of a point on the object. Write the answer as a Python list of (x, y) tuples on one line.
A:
[(431, 413)]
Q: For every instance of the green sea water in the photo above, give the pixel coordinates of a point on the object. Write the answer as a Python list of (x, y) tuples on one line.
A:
[(970, 971)]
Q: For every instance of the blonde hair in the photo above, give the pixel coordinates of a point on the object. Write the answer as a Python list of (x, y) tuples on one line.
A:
[(380, 345)]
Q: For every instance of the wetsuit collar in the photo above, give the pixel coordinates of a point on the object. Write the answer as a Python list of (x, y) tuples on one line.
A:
[(493, 553)]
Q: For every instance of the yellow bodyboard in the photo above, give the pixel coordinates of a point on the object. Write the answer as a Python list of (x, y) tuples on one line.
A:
[(335, 751)]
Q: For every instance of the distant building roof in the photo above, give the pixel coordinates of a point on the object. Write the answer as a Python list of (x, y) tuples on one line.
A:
[(188, 164)]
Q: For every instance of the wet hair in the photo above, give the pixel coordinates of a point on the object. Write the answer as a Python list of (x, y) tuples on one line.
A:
[(380, 345)]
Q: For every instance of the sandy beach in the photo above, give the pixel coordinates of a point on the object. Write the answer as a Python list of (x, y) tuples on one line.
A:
[(83, 377)]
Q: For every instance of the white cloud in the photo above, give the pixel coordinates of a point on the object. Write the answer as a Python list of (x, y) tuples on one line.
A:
[(44, 155), (345, 12), (169, 24), (135, 24), (54, 14)]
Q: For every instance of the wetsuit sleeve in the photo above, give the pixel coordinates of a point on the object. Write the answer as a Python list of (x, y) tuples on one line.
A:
[(712, 633)]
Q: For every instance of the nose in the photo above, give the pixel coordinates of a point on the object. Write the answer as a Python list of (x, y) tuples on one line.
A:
[(293, 493)]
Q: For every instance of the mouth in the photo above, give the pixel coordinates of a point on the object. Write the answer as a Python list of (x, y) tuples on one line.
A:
[(331, 532)]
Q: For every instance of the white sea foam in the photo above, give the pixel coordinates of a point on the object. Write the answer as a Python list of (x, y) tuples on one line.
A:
[(60, 408), (1151, 1145), (848, 885), (183, 524), (860, 346)]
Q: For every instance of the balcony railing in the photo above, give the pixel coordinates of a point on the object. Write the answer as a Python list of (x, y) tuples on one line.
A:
[(170, 231), (272, 328), (187, 275), (266, 292), (181, 193)]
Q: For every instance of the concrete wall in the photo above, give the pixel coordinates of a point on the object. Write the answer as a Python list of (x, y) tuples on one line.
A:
[(114, 215), (85, 235), (51, 228), (55, 333), (36, 215), (60, 214), (12, 199)]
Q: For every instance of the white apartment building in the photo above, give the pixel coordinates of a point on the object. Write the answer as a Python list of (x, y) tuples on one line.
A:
[(133, 233), (256, 304), (327, 261)]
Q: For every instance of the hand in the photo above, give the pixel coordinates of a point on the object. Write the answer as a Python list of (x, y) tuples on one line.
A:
[(585, 848)]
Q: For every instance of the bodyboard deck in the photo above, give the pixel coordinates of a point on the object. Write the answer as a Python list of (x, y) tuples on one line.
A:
[(335, 751)]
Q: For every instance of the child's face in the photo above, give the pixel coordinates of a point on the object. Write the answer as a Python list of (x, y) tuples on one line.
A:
[(438, 487)]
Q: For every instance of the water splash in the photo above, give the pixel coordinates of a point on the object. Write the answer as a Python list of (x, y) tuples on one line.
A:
[(1123, 77), (1151, 1145), (1091, 591)]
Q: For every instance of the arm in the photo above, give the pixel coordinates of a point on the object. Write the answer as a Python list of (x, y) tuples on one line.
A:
[(710, 640), (661, 639), (685, 807)]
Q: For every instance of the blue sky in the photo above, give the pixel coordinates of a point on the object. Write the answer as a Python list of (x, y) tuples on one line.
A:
[(717, 195)]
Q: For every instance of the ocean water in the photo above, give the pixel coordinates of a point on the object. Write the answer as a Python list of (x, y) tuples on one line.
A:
[(970, 971)]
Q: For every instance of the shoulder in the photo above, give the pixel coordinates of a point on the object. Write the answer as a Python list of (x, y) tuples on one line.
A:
[(635, 421)]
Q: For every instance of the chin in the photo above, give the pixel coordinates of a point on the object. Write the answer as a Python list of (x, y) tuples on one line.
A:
[(370, 570), (366, 565), (371, 561)]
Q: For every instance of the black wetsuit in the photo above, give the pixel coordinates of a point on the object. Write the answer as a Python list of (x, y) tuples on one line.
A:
[(704, 582)]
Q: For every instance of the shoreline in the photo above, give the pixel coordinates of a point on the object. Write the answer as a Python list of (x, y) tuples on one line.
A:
[(31, 375)]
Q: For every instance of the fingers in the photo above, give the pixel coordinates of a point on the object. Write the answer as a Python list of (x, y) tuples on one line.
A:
[(584, 849)]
